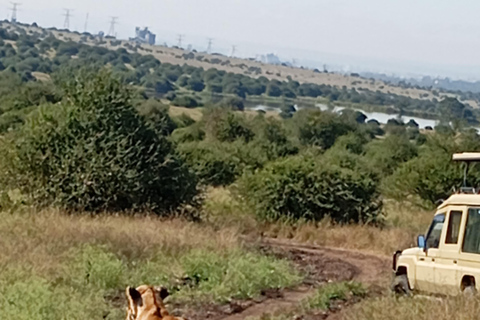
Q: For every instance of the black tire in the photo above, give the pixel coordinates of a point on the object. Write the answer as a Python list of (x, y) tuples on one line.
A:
[(400, 285)]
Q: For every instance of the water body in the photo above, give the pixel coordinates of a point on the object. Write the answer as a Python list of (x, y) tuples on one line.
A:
[(379, 116), (384, 117)]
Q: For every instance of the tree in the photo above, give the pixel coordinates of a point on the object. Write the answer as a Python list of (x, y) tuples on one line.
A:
[(163, 86), (196, 84), (94, 152), (320, 128), (273, 89)]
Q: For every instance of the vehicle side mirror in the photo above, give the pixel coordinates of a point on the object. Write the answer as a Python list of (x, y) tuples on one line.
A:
[(421, 242)]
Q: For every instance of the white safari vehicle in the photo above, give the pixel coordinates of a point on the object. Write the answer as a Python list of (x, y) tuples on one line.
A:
[(447, 259)]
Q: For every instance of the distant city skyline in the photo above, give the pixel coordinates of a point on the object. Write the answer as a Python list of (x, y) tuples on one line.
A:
[(405, 37)]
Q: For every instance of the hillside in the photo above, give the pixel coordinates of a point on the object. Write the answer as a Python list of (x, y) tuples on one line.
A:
[(255, 69)]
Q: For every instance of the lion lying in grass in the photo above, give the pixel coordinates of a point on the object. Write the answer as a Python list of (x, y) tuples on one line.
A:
[(146, 303)]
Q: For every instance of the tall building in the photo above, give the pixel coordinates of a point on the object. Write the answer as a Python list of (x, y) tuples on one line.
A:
[(144, 36)]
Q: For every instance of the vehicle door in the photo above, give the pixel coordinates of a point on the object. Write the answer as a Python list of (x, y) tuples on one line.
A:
[(425, 266), (469, 260), (446, 262)]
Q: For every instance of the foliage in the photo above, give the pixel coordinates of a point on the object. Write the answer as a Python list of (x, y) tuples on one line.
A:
[(321, 129), (224, 125), (324, 296), (234, 103), (387, 154), (220, 163), (432, 176), (95, 152), (301, 188), (185, 101)]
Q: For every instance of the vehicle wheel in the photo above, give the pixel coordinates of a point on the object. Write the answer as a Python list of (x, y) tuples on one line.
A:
[(469, 291), (400, 285)]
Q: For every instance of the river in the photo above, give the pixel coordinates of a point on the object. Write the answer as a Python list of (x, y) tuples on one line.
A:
[(379, 116)]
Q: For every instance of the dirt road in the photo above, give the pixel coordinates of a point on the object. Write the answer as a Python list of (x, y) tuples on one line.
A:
[(320, 265)]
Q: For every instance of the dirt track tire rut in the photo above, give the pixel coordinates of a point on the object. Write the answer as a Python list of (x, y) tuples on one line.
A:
[(320, 264)]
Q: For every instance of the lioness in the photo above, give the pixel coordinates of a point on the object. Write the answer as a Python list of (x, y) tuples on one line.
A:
[(146, 303)]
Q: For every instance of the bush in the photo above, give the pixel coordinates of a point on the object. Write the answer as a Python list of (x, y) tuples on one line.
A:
[(386, 155), (157, 114), (95, 152), (321, 129), (188, 134), (225, 125), (273, 139), (185, 101), (300, 188), (220, 164), (431, 177), (233, 103)]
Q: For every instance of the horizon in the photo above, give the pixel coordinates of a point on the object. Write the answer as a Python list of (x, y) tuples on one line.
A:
[(404, 39)]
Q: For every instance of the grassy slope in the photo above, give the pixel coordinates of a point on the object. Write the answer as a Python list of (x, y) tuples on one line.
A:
[(237, 65)]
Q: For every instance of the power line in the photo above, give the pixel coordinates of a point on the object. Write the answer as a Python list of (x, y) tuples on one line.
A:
[(180, 38), (209, 48), (86, 23), (14, 11), (113, 22), (67, 15)]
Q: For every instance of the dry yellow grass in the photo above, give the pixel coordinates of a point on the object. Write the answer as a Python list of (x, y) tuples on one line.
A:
[(402, 224), (419, 308), (40, 76), (43, 240), (194, 113)]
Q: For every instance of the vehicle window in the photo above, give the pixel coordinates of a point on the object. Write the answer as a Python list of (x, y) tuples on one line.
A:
[(435, 231), (471, 241), (453, 227)]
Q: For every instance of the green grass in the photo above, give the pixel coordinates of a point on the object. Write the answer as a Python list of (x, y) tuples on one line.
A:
[(335, 291), (321, 300), (55, 266)]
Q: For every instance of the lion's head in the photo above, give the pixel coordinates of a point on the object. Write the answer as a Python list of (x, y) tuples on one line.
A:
[(146, 303)]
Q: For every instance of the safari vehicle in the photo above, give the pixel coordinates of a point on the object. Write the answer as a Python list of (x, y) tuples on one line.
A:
[(447, 259)]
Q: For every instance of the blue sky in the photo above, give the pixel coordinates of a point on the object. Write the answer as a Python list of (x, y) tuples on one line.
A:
[(409, 36)]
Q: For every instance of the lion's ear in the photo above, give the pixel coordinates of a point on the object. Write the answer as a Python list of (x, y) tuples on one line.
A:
[(162, 292), (134, 298)]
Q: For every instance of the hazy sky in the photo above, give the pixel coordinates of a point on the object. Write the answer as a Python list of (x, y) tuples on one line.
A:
[(433, 36)]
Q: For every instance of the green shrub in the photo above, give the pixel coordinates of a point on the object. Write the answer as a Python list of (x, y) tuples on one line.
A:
[(189, 134), (224, 125), (183, 120), (431, 176), (217, 163), (301, 188), (321, 129), (233, 103), (157, 114), (95, 152), (272, 137), (386, 155), (185, 101)]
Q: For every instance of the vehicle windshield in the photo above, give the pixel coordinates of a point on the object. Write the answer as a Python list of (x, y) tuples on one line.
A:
[(471, 241), (435, 231)]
